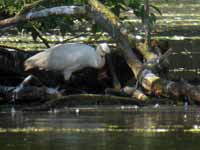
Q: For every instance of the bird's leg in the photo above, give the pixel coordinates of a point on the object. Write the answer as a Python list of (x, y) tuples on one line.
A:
[(67, 74)]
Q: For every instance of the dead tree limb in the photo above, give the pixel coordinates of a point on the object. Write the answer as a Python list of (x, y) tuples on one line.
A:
[(150, 81), (110, 23), (62, 10)]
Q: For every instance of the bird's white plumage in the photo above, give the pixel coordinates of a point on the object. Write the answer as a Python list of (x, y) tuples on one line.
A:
[(68, 58)]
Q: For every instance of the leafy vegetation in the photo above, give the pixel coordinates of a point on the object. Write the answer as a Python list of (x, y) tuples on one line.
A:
[(66, 24)]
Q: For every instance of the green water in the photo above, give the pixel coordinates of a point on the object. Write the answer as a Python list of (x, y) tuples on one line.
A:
[(100, 141), (118, 128)]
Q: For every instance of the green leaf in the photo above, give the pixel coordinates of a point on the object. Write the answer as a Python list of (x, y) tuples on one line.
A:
[(122, 6), (152, 18), (156, 8)]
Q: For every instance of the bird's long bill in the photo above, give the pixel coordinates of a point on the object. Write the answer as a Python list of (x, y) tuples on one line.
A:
[(27, 68)]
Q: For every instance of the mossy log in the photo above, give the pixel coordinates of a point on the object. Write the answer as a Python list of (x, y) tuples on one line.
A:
[(86, 100)]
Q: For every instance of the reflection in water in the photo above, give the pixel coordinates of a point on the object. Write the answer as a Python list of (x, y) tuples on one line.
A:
[(133, 118), (118, 141), (96, 128)]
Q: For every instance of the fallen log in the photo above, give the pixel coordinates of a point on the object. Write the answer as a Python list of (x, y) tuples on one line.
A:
[(149, 80), (86, 100), (62, 10)]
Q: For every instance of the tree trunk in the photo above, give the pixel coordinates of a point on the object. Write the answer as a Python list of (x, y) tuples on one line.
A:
[(110, 23), (150, 81)]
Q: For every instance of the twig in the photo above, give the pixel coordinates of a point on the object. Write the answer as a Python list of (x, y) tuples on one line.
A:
[(37, 31)]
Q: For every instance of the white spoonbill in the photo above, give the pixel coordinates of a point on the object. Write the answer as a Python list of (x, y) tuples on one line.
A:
[(69, 58)]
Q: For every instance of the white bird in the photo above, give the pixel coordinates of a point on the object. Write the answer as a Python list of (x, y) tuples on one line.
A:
[(69, 58)]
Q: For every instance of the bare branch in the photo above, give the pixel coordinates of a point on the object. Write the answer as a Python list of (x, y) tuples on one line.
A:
[(39, 34), (62, 10), (28, 7)]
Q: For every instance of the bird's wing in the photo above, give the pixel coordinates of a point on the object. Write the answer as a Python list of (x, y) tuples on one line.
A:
[(69, 55)]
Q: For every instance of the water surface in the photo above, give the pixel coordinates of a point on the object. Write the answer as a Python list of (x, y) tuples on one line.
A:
[(147, 128)]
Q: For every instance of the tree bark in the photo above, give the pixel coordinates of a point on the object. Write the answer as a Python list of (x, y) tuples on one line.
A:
[(110, 23)]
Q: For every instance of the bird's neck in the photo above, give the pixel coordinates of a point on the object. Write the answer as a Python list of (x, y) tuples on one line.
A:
[(100, 60)]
